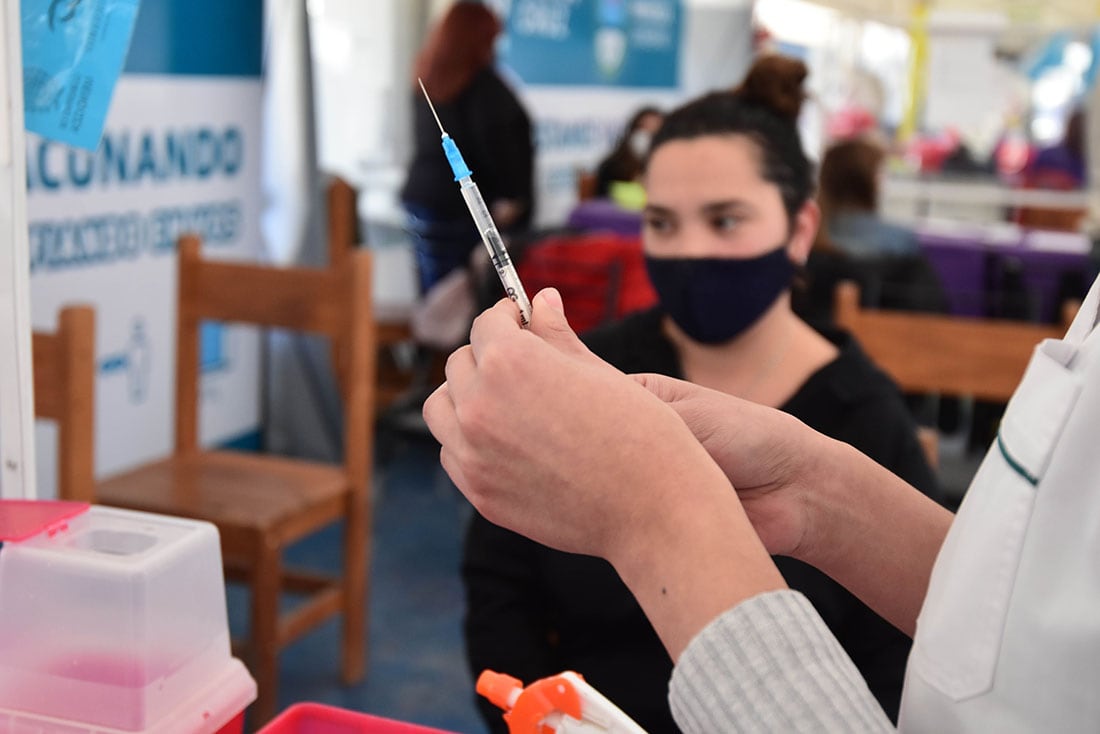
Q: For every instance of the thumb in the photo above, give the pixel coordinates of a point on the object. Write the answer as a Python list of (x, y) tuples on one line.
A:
[(548, 322), (668, 389)]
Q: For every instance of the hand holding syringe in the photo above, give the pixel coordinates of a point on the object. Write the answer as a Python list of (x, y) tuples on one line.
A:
[(484, 221)]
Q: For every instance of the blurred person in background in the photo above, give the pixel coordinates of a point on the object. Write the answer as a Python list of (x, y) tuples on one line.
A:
[(1061, 166), (626, 161), (851, 172), (491, 128), (729, 218), (856, 243)]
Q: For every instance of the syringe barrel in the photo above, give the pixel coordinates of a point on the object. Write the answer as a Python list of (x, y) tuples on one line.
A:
[(502, 262)]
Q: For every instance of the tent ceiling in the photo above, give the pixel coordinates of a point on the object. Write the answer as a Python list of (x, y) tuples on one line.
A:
[(1035, 15)]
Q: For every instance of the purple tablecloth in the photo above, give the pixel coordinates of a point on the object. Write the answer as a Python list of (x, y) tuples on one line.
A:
[(963, 272), (1001, 277), (604, 214)]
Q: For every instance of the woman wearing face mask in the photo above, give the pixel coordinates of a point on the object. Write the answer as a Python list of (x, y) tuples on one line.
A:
[(624, 163), (729, 219)]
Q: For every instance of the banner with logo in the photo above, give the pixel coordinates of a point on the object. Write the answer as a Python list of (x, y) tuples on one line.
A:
[(180, 152), (623, 43), (584, 67)]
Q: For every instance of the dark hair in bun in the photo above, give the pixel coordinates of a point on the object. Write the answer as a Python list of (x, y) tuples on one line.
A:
[(775, 82), (764, 108)]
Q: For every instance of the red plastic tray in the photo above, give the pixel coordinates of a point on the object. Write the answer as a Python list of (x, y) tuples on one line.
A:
[(315, 718), (233, 726)]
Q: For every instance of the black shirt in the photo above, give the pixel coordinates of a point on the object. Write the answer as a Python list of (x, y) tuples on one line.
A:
[(493, 132), (533, 611)]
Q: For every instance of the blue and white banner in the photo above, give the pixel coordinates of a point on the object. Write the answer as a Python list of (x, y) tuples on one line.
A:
[(623, 43), (180, 152), (583, 68), (574, 129)]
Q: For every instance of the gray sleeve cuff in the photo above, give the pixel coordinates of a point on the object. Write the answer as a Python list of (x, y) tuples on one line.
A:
[(770, 664)]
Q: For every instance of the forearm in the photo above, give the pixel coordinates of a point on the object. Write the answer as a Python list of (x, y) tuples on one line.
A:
[(770, 665), (699, 558), (873, 533)]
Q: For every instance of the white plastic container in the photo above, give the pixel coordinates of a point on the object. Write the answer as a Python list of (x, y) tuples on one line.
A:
[(115, 621)]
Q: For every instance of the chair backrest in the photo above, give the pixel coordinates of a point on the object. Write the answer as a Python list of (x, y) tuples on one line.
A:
[(902, 282), (64, 391), (333, 302), (343, 219), (343, 227), (948, 355)]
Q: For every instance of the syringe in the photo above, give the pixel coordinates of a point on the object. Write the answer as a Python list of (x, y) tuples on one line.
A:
[(484, 221)]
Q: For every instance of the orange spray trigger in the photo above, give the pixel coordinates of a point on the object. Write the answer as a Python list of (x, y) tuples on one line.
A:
[(531, 710), (500, 688), (560, 704)]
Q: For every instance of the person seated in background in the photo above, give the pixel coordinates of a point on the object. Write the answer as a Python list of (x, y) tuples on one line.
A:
[(1059, 167), (625, 161), (854, 243), (1063, 164), (849, 197), (729, 218)]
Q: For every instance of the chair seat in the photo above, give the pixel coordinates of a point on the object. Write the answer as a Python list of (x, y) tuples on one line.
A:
[(243, 494)]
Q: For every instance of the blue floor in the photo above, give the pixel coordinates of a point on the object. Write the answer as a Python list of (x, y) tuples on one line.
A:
[(416, 671)]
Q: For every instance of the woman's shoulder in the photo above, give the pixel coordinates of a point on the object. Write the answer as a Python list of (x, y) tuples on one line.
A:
[(490, 83), (851, 381), (867, 234), (853, 400)]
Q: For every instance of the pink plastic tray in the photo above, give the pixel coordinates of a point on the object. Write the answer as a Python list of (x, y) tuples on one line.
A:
[(315, 718)]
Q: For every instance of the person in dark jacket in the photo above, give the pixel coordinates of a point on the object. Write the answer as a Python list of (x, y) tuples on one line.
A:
[(490, 126), (729, 216)]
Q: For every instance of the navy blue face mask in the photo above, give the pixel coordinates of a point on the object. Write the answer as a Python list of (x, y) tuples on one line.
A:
[(713, 299)]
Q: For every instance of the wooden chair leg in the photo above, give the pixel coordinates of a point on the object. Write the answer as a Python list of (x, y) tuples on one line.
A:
[(264, 635), (355, 584)]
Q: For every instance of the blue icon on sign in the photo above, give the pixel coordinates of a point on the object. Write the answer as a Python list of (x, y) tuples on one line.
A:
[(134, 361)]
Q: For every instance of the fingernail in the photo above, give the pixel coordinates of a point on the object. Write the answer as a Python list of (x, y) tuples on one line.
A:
[(553, 299)]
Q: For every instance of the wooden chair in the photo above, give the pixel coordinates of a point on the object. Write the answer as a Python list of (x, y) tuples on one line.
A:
[(64, 391), (393, 327), (261, 503), (946, 355)]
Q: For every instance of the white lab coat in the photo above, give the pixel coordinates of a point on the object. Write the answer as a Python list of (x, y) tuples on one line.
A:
[(1008, 639)]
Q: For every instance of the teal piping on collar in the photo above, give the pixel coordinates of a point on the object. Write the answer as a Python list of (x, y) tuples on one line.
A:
[(1016, 467)]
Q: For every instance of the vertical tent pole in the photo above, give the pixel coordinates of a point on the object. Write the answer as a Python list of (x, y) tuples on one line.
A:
[(17, 466)]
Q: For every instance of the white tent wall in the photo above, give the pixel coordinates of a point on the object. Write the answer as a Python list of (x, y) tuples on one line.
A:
[(17, 466), (717, 45), (978, 101)]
